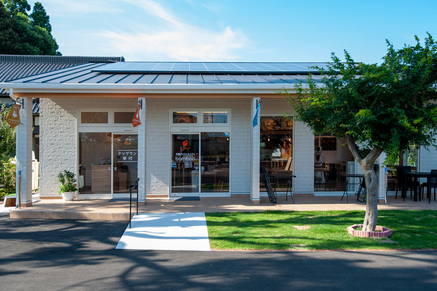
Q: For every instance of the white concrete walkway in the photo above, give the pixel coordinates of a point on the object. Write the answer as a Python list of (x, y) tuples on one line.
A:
[(166, 231)]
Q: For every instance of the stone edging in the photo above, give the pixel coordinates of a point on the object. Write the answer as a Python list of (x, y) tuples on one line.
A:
[(380, 231)]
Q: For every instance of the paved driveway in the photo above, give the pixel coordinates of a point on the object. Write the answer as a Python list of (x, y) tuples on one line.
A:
[(81, 255)]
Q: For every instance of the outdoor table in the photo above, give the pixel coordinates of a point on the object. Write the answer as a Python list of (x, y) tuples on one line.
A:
[(416, 176), (347, 178)]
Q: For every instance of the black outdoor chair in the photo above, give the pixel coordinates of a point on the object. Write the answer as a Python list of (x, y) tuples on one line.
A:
[(271, 184), (404, 183), (432, 182)]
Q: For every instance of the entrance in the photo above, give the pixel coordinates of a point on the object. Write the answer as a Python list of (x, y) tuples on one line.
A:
[(200, 163), (108, 162)]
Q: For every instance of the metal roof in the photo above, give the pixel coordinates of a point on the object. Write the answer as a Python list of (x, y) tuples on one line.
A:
[(19, 66), (145, 74)]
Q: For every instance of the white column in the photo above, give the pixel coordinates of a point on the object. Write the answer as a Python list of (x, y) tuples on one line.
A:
[(142, 152), (24, 153), (254, 193)]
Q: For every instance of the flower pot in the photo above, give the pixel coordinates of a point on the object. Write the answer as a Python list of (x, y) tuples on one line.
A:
[(68, 196)]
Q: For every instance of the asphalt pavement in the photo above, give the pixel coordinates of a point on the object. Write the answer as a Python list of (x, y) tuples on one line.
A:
[(81, 255)]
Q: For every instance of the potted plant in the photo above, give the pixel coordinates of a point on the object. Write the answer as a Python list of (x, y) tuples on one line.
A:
[(68, 185)]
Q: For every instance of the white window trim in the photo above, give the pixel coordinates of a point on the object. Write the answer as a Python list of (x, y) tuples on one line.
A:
[(103, 127), (200, 112)]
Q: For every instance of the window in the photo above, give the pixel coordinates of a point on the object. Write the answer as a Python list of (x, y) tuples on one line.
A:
[(123, 117), (185, 117), (94, 117), (215, 117)]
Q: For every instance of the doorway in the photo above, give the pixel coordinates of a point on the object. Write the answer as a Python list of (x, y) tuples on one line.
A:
[(108, 162), (200, 163)]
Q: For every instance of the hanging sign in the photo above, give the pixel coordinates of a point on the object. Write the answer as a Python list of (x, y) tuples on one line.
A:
[(14, 116), (137, 120)]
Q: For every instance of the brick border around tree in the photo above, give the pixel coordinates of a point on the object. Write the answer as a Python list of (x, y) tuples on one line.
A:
[(380, 231)]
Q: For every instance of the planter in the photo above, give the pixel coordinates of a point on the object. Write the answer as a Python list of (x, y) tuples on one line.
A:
[(380, 231), (68, 196)]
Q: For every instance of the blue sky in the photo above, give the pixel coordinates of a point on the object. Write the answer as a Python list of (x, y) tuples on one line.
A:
[(238, 30)]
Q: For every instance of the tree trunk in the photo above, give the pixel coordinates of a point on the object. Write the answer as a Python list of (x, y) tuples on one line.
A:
[(366, 164), (371, 216)]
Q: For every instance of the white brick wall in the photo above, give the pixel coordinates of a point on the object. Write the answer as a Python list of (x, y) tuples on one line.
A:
[(59, 136), (427, 159), (303, 158)]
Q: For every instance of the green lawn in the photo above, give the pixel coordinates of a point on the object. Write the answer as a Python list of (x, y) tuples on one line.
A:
[(319, 230)]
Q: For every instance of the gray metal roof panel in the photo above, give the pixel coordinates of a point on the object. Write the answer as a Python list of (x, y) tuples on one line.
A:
[(146, 79), (162, 79), (195, 79), (179, 79), (211, 79), (53, 75)]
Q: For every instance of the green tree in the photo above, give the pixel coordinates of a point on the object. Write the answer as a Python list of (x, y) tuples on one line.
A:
[(9, 38), (7, 146), (22, 34), (40, 18), (388, 107), (17, 6)]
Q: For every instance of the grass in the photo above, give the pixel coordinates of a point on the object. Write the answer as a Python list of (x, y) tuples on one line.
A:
[(319, 230)]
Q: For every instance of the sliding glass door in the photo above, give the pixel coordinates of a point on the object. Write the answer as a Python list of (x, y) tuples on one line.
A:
[(211, 174), (108, 162)]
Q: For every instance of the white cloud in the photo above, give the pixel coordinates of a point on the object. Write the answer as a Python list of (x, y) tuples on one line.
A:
[(183, 44), (172, 39)]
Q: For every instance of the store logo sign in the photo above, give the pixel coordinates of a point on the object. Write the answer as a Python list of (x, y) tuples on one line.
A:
[(185, 146)]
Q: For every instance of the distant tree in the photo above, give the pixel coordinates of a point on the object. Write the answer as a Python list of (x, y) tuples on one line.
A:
[(23, 34), (40, 18), (17, 6), (9, 38), (388, 107)]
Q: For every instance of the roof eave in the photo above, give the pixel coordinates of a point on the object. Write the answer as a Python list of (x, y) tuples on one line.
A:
[(151, 88)]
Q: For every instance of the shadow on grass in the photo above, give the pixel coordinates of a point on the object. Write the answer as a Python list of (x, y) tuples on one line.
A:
[(324, 230)]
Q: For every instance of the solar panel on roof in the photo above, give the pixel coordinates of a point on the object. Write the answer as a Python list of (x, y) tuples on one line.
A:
[(209, 67)]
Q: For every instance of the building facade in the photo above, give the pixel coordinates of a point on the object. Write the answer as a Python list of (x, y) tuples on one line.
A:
[(205, 130)]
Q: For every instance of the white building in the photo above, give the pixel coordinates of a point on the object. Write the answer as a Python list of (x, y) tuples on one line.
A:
[(200, 134)]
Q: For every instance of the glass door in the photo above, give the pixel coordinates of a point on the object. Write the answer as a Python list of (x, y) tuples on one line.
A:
[(94, 163), (215, 162), (185, 163), (211, 175), (125, 157)]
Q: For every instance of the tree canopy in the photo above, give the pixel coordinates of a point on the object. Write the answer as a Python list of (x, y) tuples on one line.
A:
[(25, 34), (390, 106), (377, 107)]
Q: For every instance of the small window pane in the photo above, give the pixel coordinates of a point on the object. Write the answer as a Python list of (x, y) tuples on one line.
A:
[(94, 117), (215, 117), (184, 117), (123, 117)]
